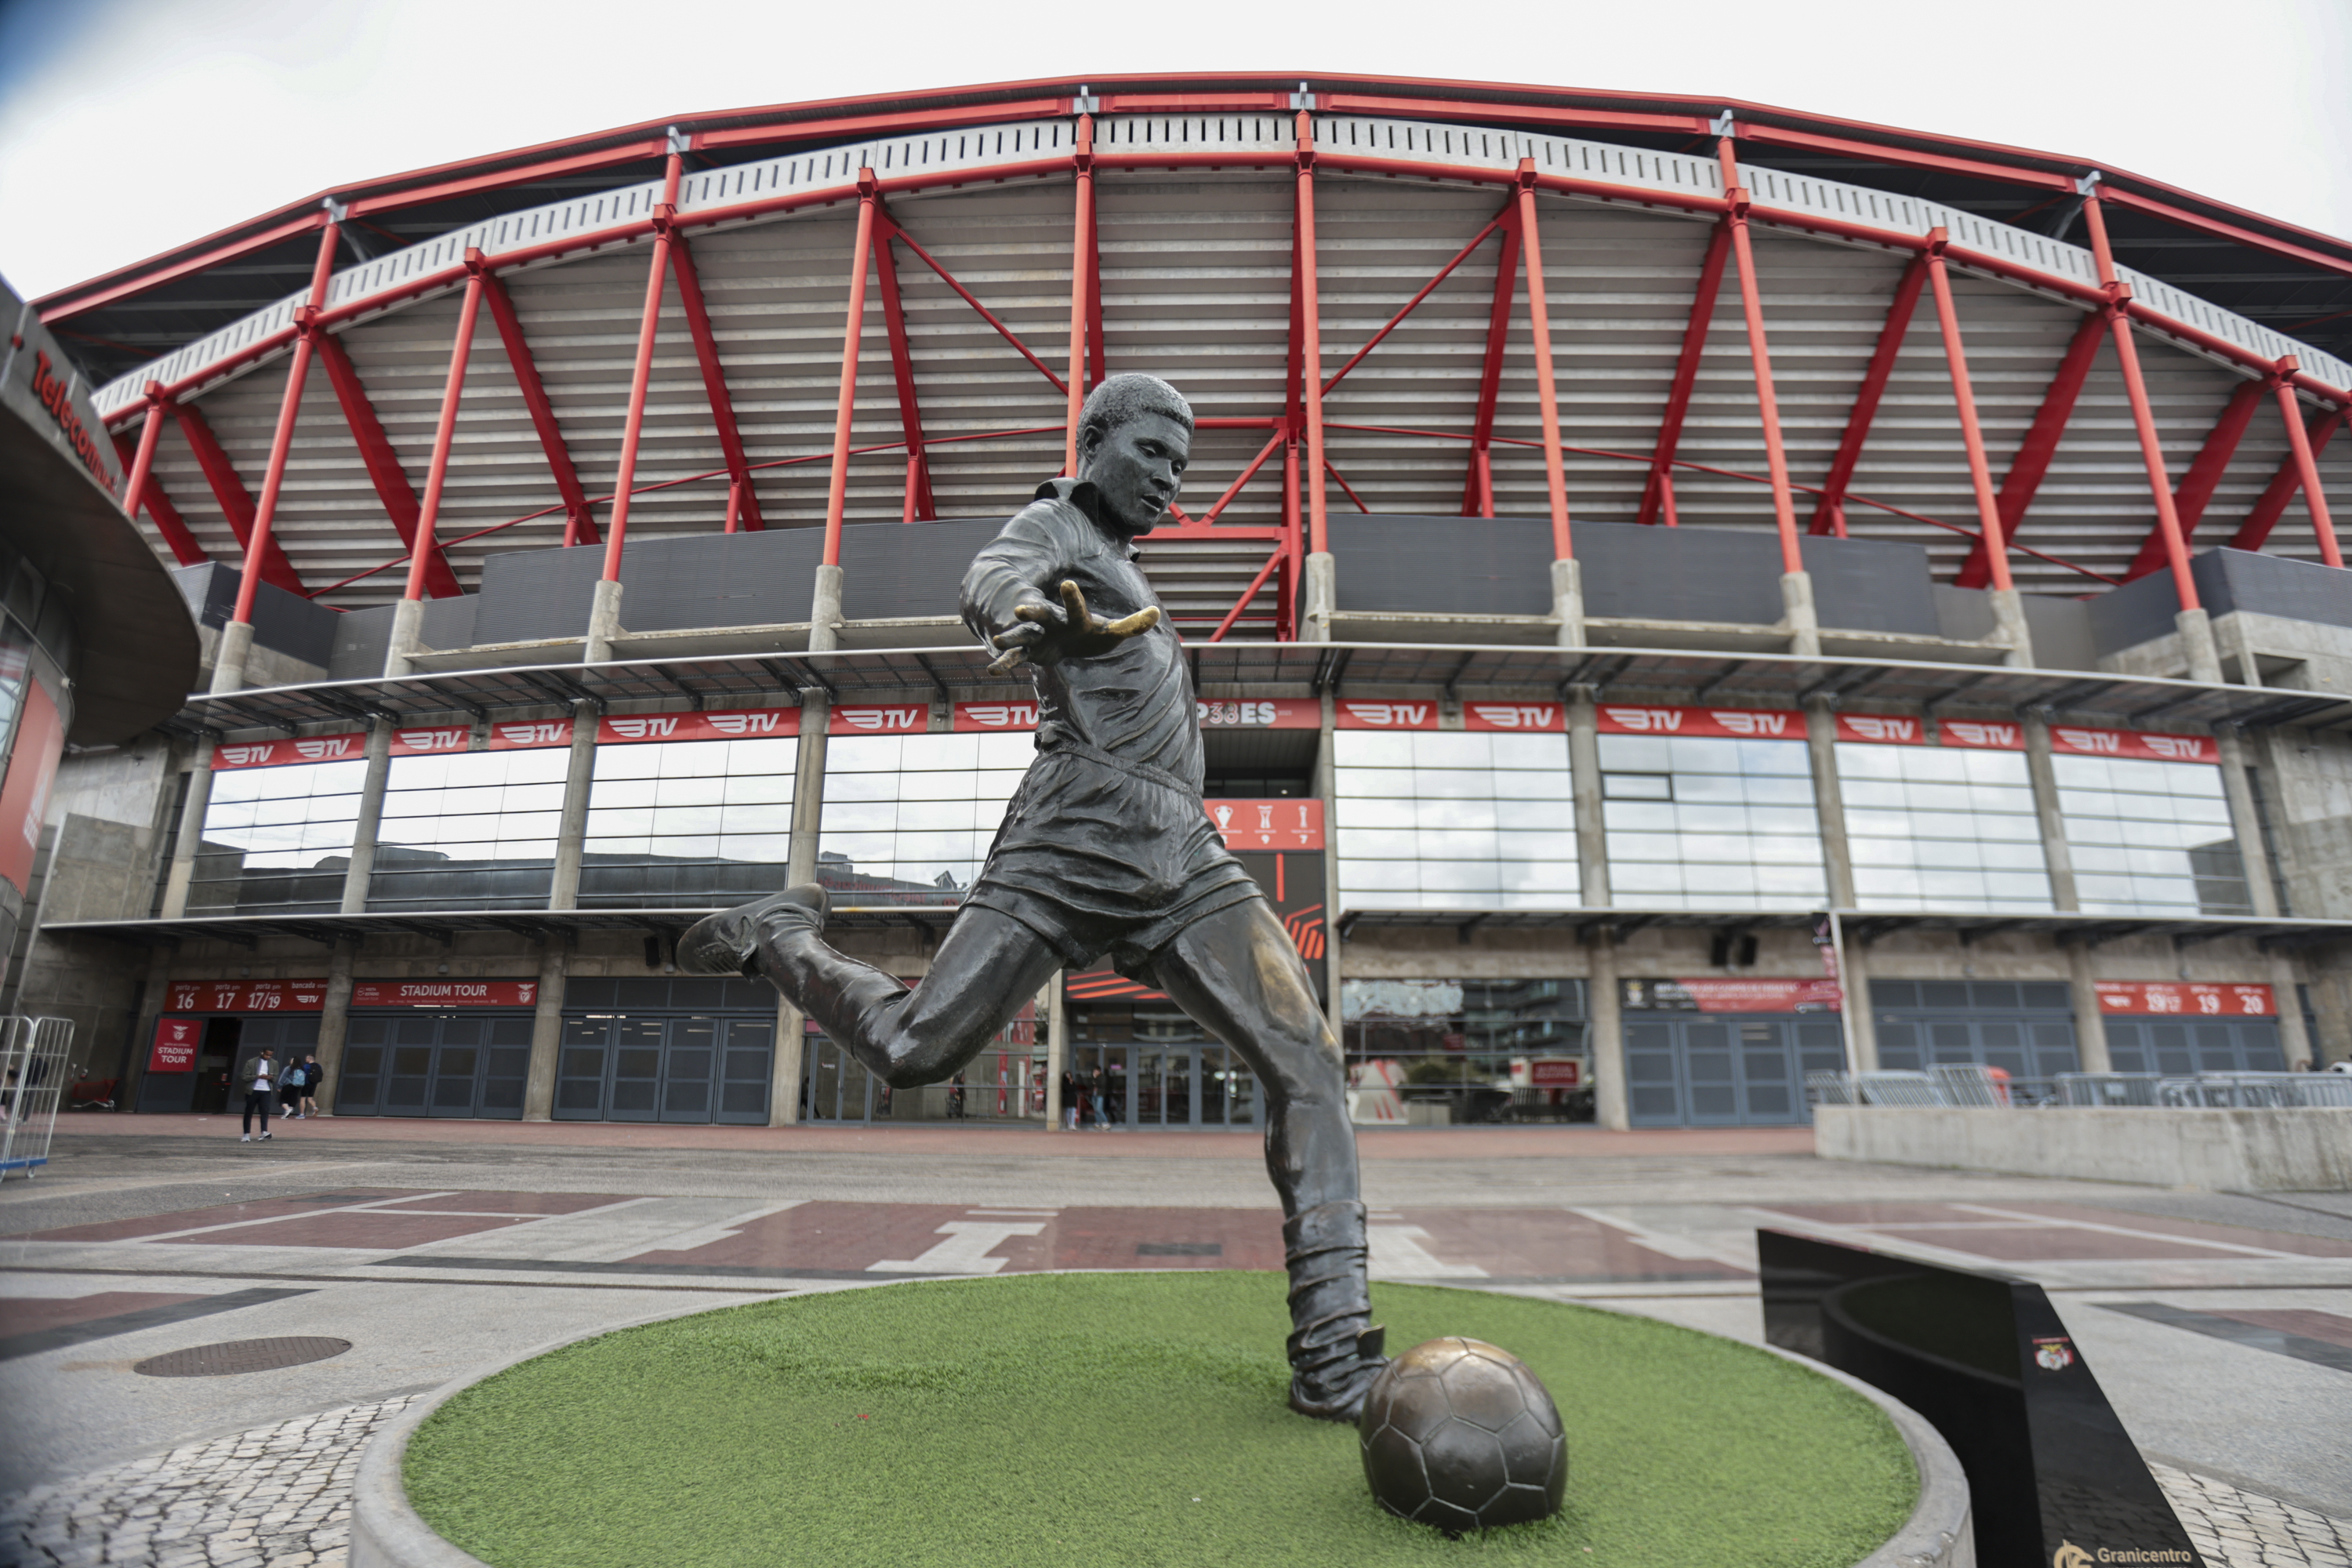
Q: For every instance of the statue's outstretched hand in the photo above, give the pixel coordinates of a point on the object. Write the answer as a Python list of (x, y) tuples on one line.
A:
[(1049, 634)]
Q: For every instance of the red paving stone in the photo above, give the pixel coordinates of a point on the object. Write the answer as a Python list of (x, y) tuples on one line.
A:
[(506, 1204), (31, 1314), (1383, 1143), (2332, 1327), (2052, 1243), (190, 1219), (349, 1228)]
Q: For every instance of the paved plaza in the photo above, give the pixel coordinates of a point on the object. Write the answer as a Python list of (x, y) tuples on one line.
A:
[(2219, 1325)]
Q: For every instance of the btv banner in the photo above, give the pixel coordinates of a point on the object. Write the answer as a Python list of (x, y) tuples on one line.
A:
[(1720, 723), (1714, 995), (445, 994), (2185, 999)]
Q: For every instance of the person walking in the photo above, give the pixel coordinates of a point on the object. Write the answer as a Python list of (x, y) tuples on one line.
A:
[(256, 1076), (289, 1091), (313, 1075)]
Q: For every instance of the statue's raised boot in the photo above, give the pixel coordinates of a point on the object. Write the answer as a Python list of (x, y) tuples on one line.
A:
[(1334, 1346), (729, 941)]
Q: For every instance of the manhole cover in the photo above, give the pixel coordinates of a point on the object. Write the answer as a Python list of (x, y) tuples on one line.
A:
[(241, 1355)]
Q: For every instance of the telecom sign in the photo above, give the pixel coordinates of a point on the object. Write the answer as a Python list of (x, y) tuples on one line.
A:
[(342, 748), (985, 718), (417, 743), (742, 724), (1981, 735), (2139, 745), (880, 719), (1735, 723), (1387, 715), (1882, 728), (1520, 718)]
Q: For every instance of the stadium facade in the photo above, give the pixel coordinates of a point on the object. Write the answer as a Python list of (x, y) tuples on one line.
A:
[(1682, 594)]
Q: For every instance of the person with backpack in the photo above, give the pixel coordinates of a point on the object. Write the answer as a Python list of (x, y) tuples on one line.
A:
[(257, 1075), (313, 1075)]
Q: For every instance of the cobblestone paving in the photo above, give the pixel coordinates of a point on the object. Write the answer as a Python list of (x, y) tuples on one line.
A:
[(277, 1496), (2246, 1530), (280, 1496)]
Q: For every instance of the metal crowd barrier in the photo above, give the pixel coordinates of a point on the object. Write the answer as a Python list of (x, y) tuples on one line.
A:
[(32, 1086), (1972, 1084)]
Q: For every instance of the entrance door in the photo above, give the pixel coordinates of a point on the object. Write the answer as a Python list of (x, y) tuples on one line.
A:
[(1719, 1071), (2026, 1029), (2179, 1047), (216, 1058), (698, 1068), (1228, 1089), (1163, 1087), (434, 1064)]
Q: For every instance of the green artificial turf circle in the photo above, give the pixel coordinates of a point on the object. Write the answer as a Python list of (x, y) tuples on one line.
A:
[(1094, 1419)]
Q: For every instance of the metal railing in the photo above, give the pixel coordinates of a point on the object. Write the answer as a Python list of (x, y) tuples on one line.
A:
[(32, 1087), (1972, 1085)]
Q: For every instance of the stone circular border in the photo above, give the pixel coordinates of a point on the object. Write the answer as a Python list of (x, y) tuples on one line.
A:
[(386, 1532)]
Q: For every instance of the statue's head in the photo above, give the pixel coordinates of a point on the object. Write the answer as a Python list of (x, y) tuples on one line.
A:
[(1135, 437)]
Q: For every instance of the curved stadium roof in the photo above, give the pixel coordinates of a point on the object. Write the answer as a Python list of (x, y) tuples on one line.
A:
[(1196, 182)]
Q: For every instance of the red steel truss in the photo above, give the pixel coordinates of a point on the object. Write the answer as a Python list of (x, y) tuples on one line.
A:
[(1829, 515), (579, 521), (2031, 462), (235, 500), (2198, 485), (383, 463), (1658, 495)]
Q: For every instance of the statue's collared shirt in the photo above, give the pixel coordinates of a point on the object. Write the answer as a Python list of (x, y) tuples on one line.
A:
[(1134, 703)]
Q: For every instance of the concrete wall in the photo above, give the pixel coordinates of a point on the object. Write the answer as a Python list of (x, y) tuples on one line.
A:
[(2218, 1151)]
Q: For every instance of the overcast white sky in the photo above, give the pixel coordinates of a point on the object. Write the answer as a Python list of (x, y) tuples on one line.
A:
[(127, 126)]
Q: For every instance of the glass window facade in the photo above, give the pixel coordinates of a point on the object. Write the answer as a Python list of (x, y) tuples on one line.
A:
[(687, 823), (1697, 823), (1936, 828), (1451, 1042), (277, 840), (1454, 820), (2150, 838), (469, 830), (908, 819)]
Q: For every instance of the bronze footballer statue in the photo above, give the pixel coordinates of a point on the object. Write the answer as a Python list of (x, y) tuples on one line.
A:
[(1106, 850)]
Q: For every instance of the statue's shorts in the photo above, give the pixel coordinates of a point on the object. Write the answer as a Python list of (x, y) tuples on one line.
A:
[(1103, 858)]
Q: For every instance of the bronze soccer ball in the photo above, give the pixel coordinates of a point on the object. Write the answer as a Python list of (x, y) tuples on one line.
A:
[(1458, 1435)]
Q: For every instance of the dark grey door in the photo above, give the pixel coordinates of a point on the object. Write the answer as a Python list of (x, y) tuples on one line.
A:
[(2026, 1029), (434, 1064), (695, 1069), (1726, 1071), (2180, 1047)]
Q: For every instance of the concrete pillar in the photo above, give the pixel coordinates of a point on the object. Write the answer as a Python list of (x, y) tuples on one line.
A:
[(825, 611), (572, 828), (2197, 646), (1604, 1001), (1322, 597), (1585, 803), (1861, 1022), (371, 818), (1798, 616), (784, 1084), (229, 656), (2331, 1003), (2009, 624), (2090, 1023), (1057, 1046), (192, 830), (2295, 1038), (2246, 822), (1326, 790), (546, 1032), (1829, 804), (335, 1021), (604, 622), (808, 789), (407, 638), (2043, 773), (151, 997), (1568, 601)]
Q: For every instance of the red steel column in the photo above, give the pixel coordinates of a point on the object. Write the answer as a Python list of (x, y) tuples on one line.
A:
[(641, 378), (1310, 338), (1964, 399), (1546, 389), (1767, 406), (1081, 287), (2266, 511), (2307, 464), (2151, 445), (837, 499), (229, 669), (445, 434), (134, 494)]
